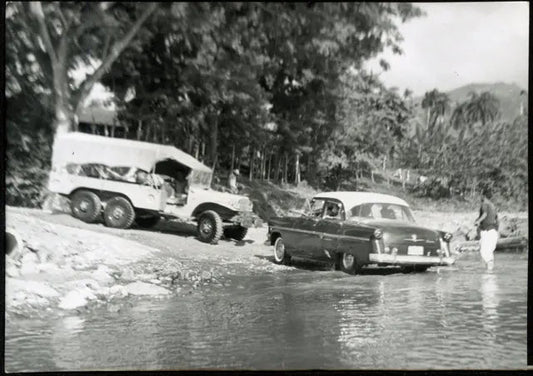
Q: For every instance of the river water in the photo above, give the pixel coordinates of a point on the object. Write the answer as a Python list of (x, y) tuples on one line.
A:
[(300, 318)]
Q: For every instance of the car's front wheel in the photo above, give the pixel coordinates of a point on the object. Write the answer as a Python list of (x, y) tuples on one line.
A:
[(348, 263), (280, 253), (210, 227)]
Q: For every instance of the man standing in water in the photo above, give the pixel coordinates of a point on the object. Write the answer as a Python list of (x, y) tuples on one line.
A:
[(488, 228)]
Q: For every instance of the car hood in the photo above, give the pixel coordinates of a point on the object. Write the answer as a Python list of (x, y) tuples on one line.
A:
[(230, 200)]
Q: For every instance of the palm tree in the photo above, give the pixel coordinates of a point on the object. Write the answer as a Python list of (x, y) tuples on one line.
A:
[(483, 108), (436, 104)]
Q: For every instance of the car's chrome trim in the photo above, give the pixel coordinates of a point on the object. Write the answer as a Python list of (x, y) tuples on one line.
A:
[(409, 259), (320, 234)]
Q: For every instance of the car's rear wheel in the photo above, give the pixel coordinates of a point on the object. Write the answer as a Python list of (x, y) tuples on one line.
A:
[(280, 253), (421, 268), (348, 263), (85, 205), (147, 222), (235, 232), (119, 213), (210, 227)]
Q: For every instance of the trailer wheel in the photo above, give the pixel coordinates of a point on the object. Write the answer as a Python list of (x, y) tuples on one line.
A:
[(210, 227), (85, 205), (119, 213)]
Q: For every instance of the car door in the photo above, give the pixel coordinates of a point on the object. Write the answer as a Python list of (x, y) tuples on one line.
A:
[(306, 238), (330, 229)]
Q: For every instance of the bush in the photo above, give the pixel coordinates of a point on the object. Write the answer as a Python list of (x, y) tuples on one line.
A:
[(27, 167)]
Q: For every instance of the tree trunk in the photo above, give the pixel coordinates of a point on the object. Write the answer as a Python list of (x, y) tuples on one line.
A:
[(232, 157), (278, 168), (213, 137), (286, 169), (139, 130), (252, 161), (297, 170), (262, 172), (269, 166)]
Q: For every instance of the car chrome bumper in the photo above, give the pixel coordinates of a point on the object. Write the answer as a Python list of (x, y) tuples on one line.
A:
[(381, 258)]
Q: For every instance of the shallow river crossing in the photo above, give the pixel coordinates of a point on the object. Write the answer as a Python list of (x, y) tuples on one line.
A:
[(458, 317)]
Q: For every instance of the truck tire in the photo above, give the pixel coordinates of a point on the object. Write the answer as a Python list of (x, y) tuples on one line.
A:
[(85, 205), (209, 227), (235, 232), (119, 213), (147, 222)]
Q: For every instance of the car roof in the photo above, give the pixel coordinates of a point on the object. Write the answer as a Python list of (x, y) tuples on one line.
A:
[(351, 199)]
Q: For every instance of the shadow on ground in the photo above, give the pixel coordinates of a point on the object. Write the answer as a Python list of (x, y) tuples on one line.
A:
[(172, 227)]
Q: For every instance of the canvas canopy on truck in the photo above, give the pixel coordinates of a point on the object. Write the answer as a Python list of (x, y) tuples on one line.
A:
[(81, 148)]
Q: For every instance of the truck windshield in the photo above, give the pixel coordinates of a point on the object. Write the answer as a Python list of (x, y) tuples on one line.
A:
[(200, 178)]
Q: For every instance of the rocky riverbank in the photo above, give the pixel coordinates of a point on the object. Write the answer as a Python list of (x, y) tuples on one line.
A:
[(72, 268)]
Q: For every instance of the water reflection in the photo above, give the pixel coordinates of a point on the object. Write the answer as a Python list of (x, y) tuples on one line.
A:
[(298, 320)]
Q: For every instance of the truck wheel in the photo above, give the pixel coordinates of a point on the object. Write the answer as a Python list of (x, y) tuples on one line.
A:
[(210, 227), (281, 256), (119, 213), (147, 222), (348, 263), (85, 205), (235, 232)]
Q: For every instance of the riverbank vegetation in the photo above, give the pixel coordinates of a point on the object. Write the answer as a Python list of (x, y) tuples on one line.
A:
[(277, 90)]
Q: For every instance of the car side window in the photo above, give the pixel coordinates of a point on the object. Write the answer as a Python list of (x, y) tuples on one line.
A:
[(333, 210), (316, 207), (364, 211)]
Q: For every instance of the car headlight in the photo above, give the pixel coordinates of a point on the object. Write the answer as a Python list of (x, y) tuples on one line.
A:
[(447, 237), (378, 234)]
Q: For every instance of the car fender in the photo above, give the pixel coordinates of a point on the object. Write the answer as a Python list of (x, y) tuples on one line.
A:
[(356, 240)]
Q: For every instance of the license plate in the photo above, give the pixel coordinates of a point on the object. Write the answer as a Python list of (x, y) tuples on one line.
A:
[(415, 250)]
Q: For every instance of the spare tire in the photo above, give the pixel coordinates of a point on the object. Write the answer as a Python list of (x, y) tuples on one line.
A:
[(85, 205)]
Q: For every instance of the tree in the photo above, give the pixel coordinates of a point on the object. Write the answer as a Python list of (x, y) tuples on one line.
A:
[(62, 36), (482, 108), (436, 104)]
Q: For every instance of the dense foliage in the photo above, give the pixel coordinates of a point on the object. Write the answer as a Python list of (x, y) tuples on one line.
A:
[(275, 89)]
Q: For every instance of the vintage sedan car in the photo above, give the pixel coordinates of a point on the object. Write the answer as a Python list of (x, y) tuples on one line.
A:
[(354, 229)]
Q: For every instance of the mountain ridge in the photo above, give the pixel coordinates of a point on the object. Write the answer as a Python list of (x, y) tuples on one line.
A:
[(508, 94)]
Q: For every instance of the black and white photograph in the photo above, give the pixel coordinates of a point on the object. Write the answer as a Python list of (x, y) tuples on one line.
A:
[(265, 186)]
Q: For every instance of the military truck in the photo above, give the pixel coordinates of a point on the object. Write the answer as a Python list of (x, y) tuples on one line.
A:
[(123, 182)]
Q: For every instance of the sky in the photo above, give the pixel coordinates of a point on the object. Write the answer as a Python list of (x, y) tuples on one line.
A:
[(455, 44)]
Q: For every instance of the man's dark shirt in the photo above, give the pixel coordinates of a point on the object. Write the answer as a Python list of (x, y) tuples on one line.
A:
[(491, 220)]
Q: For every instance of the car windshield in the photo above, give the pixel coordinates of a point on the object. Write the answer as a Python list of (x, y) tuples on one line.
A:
[(380, 210)]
